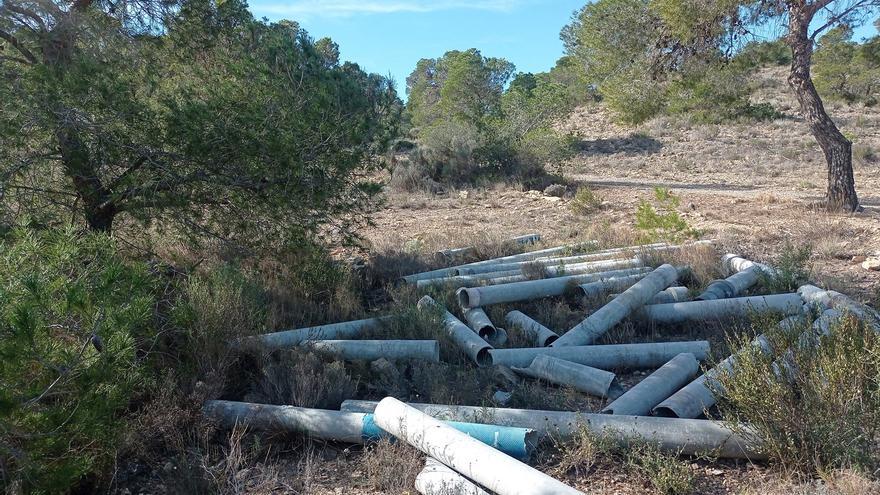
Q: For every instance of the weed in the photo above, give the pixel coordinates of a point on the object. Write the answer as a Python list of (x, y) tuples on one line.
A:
[(667, 474), (663, 222), (391, 467), (585, 201), (792, 269), (820, 413)]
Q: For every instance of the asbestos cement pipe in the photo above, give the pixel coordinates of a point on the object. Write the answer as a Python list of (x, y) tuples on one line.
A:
[(678, 436), (670, 295), (639, 400), (292, 338), (353, 427), (494, 470), (468, 341), (697, 396), (582, 378), (602, 287), (733, 263), (466, 280), (558, 268), (371, 350), (589, 330), (605, 357), (451, 271), (829, 299), (731, 286), (479, 322), (597, 256), (539, 334), (437, 479), (717, 309), (571, 273), (474, 297)]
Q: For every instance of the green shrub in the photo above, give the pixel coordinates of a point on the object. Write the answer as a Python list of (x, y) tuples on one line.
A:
[(667, 474), (822, 415), (73, 316), (663, 222), (585, 201), (792, 269)]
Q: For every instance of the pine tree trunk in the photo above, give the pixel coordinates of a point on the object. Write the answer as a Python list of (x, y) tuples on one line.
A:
[(841, 192)]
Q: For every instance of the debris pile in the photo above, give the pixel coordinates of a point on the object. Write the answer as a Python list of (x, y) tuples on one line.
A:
[(475, 450)]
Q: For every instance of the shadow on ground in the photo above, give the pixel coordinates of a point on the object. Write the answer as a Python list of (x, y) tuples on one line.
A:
[(633, 144)]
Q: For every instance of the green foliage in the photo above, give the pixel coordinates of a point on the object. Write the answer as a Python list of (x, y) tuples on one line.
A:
[(792, 269), (468, 126), (663, 222), (73, 316), (220, 126), (845, 70), (626, 53), (585, 201), (763, 53), (667, 474), (820, 414)]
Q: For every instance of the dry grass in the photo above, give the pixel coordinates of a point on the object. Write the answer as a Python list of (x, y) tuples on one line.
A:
[(391, 467)]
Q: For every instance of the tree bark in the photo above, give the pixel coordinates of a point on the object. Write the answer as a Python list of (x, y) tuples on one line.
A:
[(841, 193), (98, 209)]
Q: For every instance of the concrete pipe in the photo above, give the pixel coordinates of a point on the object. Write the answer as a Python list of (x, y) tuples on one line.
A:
[(717, 309), (732, 286), (555, 268), (371, 350), (829, 299), (605, 357), (437, 479), (465, 338), (582, 378), (619, 308), (602, 287), (451, 271), (479, 322), (539, 334), (292, 338), (474, 297), (678, 436), (639, 400), (353, 427), (670, 295), (570, 273), (698, 396), (468, 280), (733, 263), (484, 465)]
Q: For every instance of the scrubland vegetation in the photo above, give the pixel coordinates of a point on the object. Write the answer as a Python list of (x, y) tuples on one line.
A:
[(181, 175)]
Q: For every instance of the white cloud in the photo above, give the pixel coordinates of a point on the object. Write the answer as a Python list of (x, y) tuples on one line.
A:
[(343, 8)]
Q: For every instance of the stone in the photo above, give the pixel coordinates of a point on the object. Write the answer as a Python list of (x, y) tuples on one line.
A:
[(872, 264), (555, 190), (859, 259)]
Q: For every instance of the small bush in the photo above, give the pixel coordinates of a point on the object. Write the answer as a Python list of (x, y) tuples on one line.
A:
[(585, 201), (301, 379), (667, 474), (792, 269), (663, 222), (821, 415)]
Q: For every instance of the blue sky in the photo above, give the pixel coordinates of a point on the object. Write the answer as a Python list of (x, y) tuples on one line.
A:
[(390, 36)]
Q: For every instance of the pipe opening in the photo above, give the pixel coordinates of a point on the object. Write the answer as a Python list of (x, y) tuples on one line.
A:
[(483, 357), (487, 332), (550, 340), (664, 412), (464, 298)]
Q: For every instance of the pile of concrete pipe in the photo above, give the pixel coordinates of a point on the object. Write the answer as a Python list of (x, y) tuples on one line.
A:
[(478, 450)]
